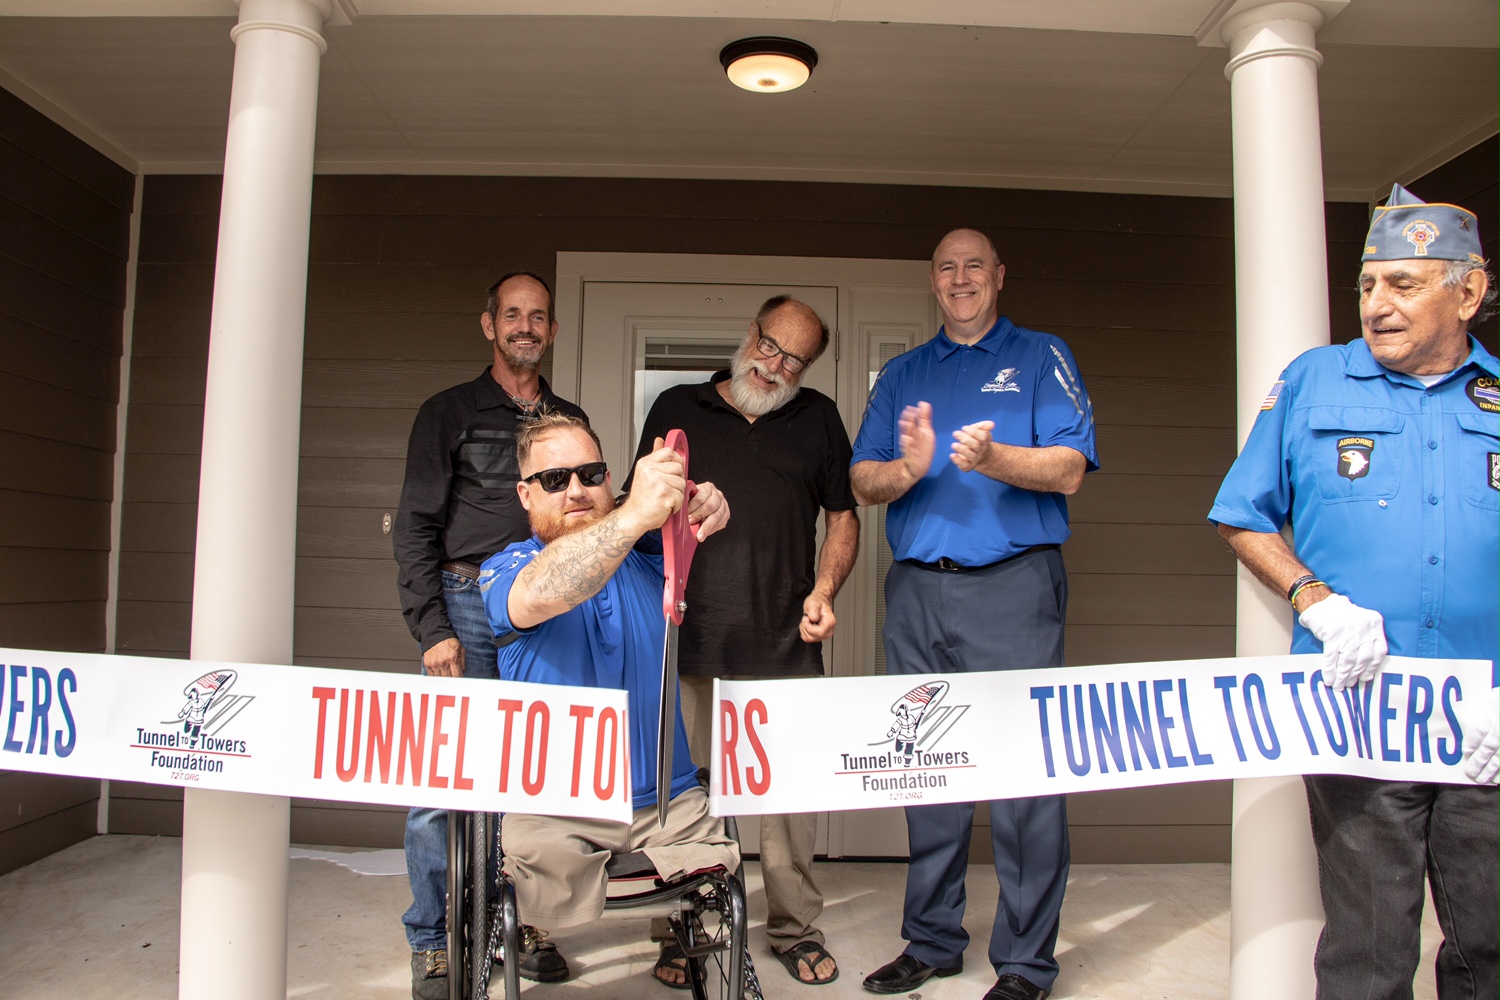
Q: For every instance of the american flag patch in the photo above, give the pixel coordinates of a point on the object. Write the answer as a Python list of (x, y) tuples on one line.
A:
[(1272, 396)]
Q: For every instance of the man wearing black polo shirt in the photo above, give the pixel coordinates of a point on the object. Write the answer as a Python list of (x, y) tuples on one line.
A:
[(458, 508), (756, 607)]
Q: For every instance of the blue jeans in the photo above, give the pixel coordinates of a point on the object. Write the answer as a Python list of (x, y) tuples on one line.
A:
[(1376, 840), (427, 829)]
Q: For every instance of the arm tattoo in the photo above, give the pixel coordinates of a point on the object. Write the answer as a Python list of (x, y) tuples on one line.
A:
[(575, 567)]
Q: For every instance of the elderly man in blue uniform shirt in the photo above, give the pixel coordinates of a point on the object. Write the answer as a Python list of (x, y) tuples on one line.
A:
[(1383, 455), (978, 584), (583, 597)]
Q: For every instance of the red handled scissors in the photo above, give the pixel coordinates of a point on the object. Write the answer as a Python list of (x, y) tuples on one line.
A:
[(678, 542)]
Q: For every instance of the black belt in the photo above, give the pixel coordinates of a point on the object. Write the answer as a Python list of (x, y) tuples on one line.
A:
[(946, 565), (466, 570)]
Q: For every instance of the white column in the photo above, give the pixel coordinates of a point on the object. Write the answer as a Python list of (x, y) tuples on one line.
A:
[(1281, 293), (234, 849)]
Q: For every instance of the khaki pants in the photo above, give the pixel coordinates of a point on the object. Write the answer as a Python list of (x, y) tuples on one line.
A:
[(793, 899), (557, 863)]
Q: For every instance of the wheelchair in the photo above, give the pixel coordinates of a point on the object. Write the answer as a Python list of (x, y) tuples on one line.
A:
[(708, 918)]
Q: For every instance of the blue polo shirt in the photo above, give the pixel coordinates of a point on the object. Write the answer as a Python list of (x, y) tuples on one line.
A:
[(1393, 491), (612, 640), (1027, 383)]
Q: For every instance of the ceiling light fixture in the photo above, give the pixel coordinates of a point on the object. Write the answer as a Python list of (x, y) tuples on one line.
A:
[(768, 65)]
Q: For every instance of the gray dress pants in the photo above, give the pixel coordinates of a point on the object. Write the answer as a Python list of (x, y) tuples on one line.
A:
[(1008, 616)]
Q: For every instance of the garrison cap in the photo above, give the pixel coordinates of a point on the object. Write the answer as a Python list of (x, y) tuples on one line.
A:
[(1406, 227)]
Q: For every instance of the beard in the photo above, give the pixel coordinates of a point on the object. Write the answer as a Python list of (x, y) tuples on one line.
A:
[(519, 357), (549, 525), (749, 398)]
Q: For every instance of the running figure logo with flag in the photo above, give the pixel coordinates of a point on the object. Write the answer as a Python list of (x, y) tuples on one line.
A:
[(209, 693), (914, 708)]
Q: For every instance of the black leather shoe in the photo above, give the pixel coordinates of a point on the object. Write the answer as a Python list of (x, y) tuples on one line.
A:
[(906, 974), (1013, 987)]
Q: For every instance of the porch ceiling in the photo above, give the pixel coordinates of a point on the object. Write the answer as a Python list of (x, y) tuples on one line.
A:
[(1033, 99)]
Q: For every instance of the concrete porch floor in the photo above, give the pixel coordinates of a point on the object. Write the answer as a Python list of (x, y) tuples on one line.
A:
[(100, 920)]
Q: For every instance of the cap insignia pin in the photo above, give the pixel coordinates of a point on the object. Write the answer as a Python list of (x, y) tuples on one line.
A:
[(1419, 234)]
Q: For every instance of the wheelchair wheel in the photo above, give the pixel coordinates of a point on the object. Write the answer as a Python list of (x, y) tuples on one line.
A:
[(480, 953), (457, 914), (480, 920), (710, 927)]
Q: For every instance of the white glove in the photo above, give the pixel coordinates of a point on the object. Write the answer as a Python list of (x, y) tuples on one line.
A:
[(1353, 639), (1481, 741)]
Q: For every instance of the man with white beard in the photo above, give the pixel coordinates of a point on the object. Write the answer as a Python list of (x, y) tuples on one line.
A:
[(757, 608)]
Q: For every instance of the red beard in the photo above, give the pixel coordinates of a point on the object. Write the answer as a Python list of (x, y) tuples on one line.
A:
[(549, 526)]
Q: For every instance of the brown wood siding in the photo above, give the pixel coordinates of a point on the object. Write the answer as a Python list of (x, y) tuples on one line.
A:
[(1141, 287), (64, 244), (1473, 181)]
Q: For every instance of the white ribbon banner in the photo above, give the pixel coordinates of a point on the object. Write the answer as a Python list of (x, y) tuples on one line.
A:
[(781, 746), (349, 735), (819, 744)]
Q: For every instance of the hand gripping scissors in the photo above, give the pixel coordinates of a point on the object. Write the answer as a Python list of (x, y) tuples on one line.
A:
[(678, 542)]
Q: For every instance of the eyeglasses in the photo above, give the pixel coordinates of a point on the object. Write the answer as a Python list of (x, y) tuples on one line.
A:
[(557, 480), (768, 348)]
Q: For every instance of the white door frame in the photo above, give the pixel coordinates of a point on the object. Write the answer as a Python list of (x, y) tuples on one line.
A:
[(849, 274), (863, 284)]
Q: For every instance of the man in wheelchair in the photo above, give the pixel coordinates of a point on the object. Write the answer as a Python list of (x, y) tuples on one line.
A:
[(583, 597)]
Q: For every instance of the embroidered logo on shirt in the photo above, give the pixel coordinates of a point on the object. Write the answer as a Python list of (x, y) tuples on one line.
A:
[(1484, 392), (1002, 381), (1354, 457), (1272, 396), (1494, 460)]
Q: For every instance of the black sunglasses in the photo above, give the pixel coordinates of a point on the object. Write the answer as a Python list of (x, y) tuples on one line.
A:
[(556, 480)]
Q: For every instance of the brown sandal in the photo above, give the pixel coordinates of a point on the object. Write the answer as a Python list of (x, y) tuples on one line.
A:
[(813, 954)]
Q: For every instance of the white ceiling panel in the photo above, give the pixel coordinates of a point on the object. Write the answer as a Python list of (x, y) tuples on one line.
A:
[(923, 103)]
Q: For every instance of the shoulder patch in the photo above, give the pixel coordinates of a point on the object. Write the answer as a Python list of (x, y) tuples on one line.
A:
[(1484, 392), (1273, 395)]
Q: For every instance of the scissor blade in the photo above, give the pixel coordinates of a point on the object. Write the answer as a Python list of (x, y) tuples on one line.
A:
[(666, 730)]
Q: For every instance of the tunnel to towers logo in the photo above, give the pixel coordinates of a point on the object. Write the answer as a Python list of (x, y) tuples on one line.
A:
[(919, 721), (916, 724), (205, 709), (209, 706)]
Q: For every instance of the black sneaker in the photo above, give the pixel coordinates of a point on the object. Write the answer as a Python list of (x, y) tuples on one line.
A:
[(429, 974), (541, 962)]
